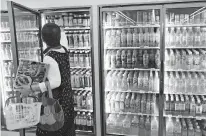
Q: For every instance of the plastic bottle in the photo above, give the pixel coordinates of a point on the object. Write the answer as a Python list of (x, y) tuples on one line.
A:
[(191, 131), (75, 39), (114, 80), (83, 103), (177, 105), (134, 59), (177, 84), (190, 37), (184, 128), (89, 122), (117, 102), (135, 81), (157, 59), (184, 37), (113, 38), (203, 36), (196, 60), (108, 59), (154, 126), (189, 83), (135, 39), (172, 37), (111, 123), (147, 126), (107, 38), (151, 82), (172, 104), (146, 37), (126, 125), (177, 37), (145, 81), (140, 81), (84, 121), (141, 38), (140, 59), (127, 102), (152, 59), (178, 60), (132, 103), (145, 59), (138, 103), (167, 104), (124, 59), (183, 59), (177, 128), (142, 126), (157, 39), (122, 101), (118, 38), (198, 106), (118, 59), (148, 104), (167, 37), (143, 104), (80, 36), (118, 124), (169, 127), (189, 60), (124, 82), (202, 81), (135, 126), (129, 59), (113, 59), (192, 106), (152, 37), (129, 38), (198, 131), (156, 82), (123, 38), (172, 59), (112, 102), (197, 37), (130, 80)]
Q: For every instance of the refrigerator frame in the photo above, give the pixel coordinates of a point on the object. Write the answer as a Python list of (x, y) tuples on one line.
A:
[(136, 6), (90, 10)]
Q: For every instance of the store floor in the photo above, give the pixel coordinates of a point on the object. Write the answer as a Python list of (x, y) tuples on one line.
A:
[(12, 133)]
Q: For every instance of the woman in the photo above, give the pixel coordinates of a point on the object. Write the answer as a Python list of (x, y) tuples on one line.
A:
[(59, 77)]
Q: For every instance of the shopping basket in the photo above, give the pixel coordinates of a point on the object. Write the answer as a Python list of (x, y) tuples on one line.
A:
[(22, 115)]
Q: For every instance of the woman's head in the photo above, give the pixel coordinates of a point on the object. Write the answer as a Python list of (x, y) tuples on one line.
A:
[(51, 34)]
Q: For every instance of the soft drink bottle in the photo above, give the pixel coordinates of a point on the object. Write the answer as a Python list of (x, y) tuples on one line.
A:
[(124, 82), (83, 103), (202, 81), (134, 59), (138, 103), (119, 80), (203, 36), (122, 101), (177, 127), (135, 38), (177, 80), (107, 103), (190, 35), (192, 106), (112, 102), (112, 38), (184, 128), (118, 59), (154, 126), (140, 58), (142, 126), (203, 105), (140, 81), (191, 131), (141, 38), (169, 127), (172, 104), (135, 126), (145, 59), (132, 103), (90, 122), (107, 38), (187, 105), (178, 60), (129, 38), (108, 59), (117, 38), (148, 104), (167, 37), (197, 37), (152, 59), (84, 121), (118, 124), (130, 80), (156, 82), (126, 125), (189, 83), (178, 37), (111, 123), (167, 60), (145, 81), (123, 38), (127, 102), (184, 37), (75, 39), (129, 59), (198, 106), (167, 104), (124, 59), (143, 104), (166, 82), (203, 59), (114, 80), (172, 59), (157, 39), (172, 37), (135, 81), (146, 37), (89, 101), (113, 59), (157, 59), (147, 126), (182, 83), (77, 121), (152, 33), (196, 59), (80, 37), (183, 59), (151, 82), (117, 102)]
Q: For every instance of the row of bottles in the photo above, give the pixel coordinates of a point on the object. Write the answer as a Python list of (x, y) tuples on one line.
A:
[(27, 36), (5, 37), (182, 19), (132, 59), (185, 37), (83, 100), (26, 22), (185, 83), (69, 20), (131, 102), (185, 105), (81, 78), (132, 125), (187, 59), (132, 80), (8, 83), (32, 54), (84, 121), (132, 18), (4, 25), (78, 39), (6, 51), (137, 37), (184, 127), (80, 58), (7, 68)]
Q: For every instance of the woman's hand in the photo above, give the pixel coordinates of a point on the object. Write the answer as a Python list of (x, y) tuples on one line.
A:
[(25, 90)]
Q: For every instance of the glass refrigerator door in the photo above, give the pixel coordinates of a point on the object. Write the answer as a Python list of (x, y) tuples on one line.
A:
[(25, 35), (185, 70), (131, 69), (76, 37)]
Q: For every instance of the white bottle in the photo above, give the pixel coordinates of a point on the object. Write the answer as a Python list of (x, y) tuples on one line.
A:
[(126, 125), (178, 60), (197, 37), (157, 59), (190, 37), (189, 60)]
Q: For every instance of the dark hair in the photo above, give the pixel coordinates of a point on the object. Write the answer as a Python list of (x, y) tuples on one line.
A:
[(51, 34)]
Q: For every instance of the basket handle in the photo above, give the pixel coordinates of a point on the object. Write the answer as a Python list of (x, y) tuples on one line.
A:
[(49, 89)]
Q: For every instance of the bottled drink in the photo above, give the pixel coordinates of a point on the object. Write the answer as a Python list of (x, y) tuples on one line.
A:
[(198, 106), (114, 81), (151, 59), (177, 37), (130, 80), (189, 60), (190, 37), (124, 82), (145, 59), (172, 104), (118, 59), (191, 131), (86, 37), (135, 81), (117, 38), (145, 81), (203, 105), (135, 126), (154, 126), (141, 38), (129, 59), (119, 80), (118, 124), (167, 104), (139, 17), (143, 104), (192, 106), (148, 104), (172, 37), (108, 59), (117, 102), (203, 36), (80, 37), (113, 59), (127, 102), (126, 125), (197, 37), (140, 58), (146, 37), (156, 82), (107, 38), (112, 102), (138, 104), (184, 128), (140, 81), (198, 131), (84, 121), (134, 59), (83, 103), (151, 82), (123, 38), (142, 126), (77, 121), (70, 39), (177, 128), (152, 33), (135, 38), (147, 126), (178, 60), (157, 59), (183, 59), (167, 37), (172, 59), (129, 38), (122, 101), (132, 103), (111, 123), (75, 39), (157, 39), (124, 59), (107, 103), (184, 37), (169, 127)]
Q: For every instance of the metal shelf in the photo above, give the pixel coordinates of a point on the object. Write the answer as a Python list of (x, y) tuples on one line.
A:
[(133, 69), (27, 30), (184, 93), (82, 110), (89, 88), (80, 67), (184, 116), (127, 27), (201, 47), (83, 48), (183, 70), (129, 113), (131, 91), (7, 41), (82, 132), (4, 30), (186, 25), (113, 48), (77, 28)]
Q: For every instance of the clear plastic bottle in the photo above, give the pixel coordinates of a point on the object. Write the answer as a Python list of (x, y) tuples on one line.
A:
[(145, 81), (132, 103), (135, 38), (135, 81), (172, 59), (177, 37), (178, 64), (122, 101), (146, 37), (124, 59), (117, 102), (140, 58), (118, 38), (140, 81), (129, 38), (145, 59), (177, 128), (138, 103), (124, 82), (172, 37), (126, 125), (113, 38), (189, 60), (203, 36), (130, 80), (156, 82), (129, 59), (192, 106), (151, 82), (141, 38), (190, 35), (134, 59), (157, 37), (107, 38), (135, 126), (113, 59), (154, 126), (169, 127), (167, 37), (147, 126), (152, 33), (197, 37), (142, 126), (118, 59), (184, 37), (123, 38), (157, 59), (183, 59)]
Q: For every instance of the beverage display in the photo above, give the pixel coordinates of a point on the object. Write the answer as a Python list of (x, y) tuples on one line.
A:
[(76, 26), (184, 76)]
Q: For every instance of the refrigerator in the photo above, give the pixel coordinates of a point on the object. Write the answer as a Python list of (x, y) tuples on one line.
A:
[(76, 35), (152, 66), (76, 28)]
